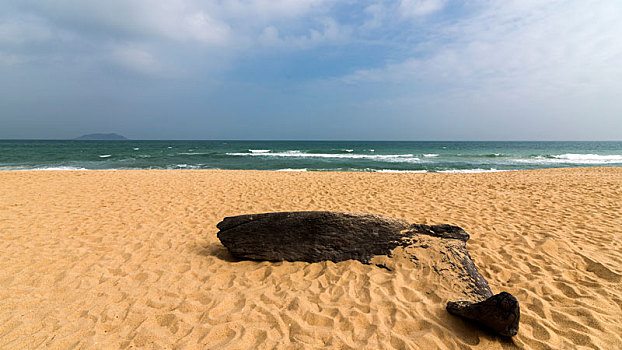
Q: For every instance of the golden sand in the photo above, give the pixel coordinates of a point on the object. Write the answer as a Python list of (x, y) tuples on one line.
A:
[(120, 259)]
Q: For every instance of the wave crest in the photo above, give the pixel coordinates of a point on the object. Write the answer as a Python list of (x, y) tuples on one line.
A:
[(574, 158), (298, 154)]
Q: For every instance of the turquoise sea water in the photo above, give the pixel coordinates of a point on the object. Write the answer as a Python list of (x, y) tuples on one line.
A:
[(379, 156)]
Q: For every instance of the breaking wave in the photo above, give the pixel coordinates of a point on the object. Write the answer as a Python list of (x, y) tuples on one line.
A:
[(298, 154), (470, 171), (54, 168), (399, 171), (573, 158)]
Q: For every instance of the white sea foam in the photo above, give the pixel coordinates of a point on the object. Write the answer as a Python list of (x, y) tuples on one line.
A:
[(470, 171), (191, 153), (136, 148), (184, 166), (54, 168), (574, 158), (289, 169), (9, 167), (297, 154), (372, 150), (51, 168), (259, 150), (400, 171), (105, 155), (430, 155), (349, 150), (589, 156)]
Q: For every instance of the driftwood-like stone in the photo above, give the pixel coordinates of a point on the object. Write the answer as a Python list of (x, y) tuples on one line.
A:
[(315, 236), (310, 236), (500, 313)]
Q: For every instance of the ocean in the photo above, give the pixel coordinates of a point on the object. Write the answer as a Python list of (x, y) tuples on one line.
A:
[(376, 156)]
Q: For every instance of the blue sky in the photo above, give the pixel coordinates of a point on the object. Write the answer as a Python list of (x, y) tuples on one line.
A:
[(312, 69)]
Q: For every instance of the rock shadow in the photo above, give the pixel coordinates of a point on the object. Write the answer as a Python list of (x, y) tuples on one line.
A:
[(216, 250)]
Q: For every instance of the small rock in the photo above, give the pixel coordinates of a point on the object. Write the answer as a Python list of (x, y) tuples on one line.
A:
[(500, 313)]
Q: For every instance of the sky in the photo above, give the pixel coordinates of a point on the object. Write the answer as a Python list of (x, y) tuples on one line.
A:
[(312, 69)]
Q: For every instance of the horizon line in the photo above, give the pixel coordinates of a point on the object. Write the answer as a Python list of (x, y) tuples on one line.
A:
[(299, 140)]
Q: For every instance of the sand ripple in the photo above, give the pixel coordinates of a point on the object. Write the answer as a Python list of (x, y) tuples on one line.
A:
[(120, 259)]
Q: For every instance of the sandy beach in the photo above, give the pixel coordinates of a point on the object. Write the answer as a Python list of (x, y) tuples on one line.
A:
[(130, 259)]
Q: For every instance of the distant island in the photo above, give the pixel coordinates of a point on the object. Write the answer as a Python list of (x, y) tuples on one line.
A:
[(102, 137)]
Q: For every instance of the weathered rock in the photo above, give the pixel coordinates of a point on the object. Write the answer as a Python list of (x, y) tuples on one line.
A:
[(500, 313), (311, 236), (315, 236)]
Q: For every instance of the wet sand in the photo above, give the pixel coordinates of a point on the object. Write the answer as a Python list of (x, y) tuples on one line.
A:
[(120, 259)]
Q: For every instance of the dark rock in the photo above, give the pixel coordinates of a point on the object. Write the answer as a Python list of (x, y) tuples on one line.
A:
[(500, 313), (310, 236), (315, 236)]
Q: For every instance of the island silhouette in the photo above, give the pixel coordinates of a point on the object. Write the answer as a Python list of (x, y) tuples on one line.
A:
[(102, 137)]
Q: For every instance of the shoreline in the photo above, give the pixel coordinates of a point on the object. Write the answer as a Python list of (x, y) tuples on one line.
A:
[(130, 258), (286, 170)]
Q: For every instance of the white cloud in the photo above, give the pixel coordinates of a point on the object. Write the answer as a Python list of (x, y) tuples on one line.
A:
[(132, 20), (272, 10), (388, 13), (377, 13), (512, 69), (203, 28), (88, 28), (135, 59), (270, 36), (330, 31), (206, 22), (418, 8), (22, 30), (522, 47)]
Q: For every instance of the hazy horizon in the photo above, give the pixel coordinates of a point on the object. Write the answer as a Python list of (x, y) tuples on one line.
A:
[(305, 140), (404, 70)]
